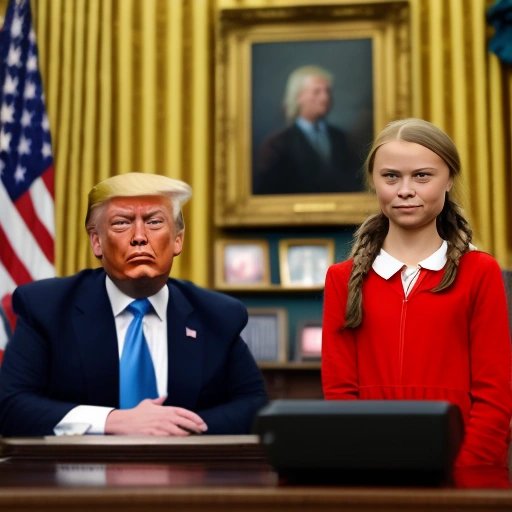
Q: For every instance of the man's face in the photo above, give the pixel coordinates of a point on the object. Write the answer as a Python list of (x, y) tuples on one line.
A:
[(314, 99), (136, 238)]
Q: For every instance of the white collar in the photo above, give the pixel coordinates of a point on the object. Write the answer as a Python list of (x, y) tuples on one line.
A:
[(309, 127), (119, 300), (386, 265)]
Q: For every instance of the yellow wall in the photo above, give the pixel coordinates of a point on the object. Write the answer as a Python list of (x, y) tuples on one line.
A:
[(129, 86)]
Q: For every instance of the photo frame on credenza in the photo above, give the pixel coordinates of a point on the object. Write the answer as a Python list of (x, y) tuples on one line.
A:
[(308, 346), (241, 264), (303, 263), (266, 334)]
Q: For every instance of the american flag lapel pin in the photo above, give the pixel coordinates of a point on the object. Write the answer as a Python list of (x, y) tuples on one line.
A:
[(190, 333)]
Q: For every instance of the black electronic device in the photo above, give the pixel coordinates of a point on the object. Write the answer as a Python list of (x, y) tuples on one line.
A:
[(388, 441)]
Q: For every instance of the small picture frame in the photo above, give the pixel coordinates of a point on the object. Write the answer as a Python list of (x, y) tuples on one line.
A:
[(266, 334), (303, 263), (242, 264), (309, 341)]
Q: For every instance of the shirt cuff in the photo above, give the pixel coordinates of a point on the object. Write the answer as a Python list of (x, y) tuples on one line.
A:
[(93, 417)]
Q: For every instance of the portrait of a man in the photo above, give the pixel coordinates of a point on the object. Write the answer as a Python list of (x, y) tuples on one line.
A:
[(319, 146)]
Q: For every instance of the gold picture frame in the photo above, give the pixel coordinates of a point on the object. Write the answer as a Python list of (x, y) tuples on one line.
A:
[(242, 264), (266, 335), (241, 34), (303, 262)]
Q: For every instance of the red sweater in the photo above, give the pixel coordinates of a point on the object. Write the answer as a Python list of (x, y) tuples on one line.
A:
[(452, 345)]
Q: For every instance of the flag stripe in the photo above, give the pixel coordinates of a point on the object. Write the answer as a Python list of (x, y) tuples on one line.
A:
[(49, 181), (3, 336), (22, 241), (27, 212), (11, 261), (6, 282), (43, 204), (8, 311)]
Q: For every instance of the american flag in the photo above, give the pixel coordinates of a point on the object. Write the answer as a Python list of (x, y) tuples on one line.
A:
[(26, 163)]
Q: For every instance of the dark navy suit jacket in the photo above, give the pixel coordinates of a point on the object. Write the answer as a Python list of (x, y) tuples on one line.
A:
[(64, 353), (288, 164)]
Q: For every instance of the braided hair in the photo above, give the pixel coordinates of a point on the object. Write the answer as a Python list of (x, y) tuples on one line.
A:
[(451, 223)]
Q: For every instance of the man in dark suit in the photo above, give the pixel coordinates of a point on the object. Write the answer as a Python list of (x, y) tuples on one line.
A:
[(310, 156), (67, 367)]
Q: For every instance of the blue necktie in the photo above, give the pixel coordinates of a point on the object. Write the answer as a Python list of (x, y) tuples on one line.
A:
[(137, 379)]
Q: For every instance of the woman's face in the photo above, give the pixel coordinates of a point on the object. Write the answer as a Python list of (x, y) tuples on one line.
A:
[(411, 182)]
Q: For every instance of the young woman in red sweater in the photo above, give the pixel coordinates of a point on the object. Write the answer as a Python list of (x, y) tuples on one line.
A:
[(416, 312)]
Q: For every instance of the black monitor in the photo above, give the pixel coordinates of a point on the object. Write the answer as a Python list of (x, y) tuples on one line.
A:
[(388, 441)]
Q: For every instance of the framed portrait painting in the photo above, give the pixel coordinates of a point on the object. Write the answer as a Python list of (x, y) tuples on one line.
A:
[(301, 93)]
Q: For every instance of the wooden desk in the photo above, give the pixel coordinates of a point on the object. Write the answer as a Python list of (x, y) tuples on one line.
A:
[(195, 474)]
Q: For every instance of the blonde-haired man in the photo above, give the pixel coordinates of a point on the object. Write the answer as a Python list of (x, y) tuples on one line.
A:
[(310, 155), (124, 349)]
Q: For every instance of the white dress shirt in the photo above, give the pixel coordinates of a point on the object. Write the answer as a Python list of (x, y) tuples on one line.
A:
[(91, 418)]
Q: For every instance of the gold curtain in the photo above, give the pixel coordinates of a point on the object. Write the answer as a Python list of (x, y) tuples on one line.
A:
[(129, 86)]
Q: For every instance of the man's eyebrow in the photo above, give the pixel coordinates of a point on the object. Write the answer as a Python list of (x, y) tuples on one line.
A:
[(155, 211), (124, 212), (128, 212)]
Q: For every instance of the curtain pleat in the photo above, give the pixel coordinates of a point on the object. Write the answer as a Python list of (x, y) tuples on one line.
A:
[(149, 92), (104, 153), (498, 200), (479, 166), (87, 149), (199, 148)]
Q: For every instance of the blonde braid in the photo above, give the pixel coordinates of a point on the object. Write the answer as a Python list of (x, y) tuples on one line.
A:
[(368, 242), (455, 229)]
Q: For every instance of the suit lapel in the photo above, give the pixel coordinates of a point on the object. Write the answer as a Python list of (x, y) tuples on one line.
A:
[(185, 351), (96, 337)]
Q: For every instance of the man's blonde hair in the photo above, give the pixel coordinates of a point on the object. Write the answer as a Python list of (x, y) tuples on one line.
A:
[(136, 184)]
